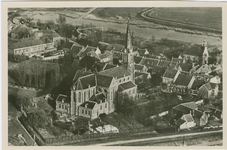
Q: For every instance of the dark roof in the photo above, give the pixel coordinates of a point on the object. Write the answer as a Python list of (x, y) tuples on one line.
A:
[(141, 51), (137, 59), (67, 45), (198, 113), (104, 81), (63, 98), (194, 51), (186, 107), (213, 85), (150, 61), (80, 73), (87, 50), (27, 43), (127, 85), (116, 47), (158, 69), (180, 122), (76, 49), (185, 66), (177, 60), (117, 72), (208, 86), (139, 67), (99, 97), (100, 65), (89, 104), (217, 113), (197, 84), (183, 80), (164, 63), (89, 80), (109, 66), (170, 73)]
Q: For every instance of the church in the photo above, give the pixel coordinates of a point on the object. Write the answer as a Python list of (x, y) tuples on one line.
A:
[(93, 94)]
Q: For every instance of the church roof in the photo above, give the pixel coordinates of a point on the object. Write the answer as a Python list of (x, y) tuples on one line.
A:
[(104, 81), (116, 72)]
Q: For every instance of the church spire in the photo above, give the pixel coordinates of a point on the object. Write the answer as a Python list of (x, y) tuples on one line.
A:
[(128, 45)]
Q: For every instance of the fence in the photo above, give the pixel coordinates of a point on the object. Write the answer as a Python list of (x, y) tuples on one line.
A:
[(95, 136)]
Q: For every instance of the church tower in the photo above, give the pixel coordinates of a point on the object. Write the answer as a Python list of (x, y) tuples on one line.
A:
[(205, 52), (128, 55)]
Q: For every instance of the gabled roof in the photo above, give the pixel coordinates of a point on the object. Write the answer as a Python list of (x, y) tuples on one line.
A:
[(165, 63), (27, 43), (142, 51), (67, 45), (183, 80), (87, 50), (198, 113), (76, 49), (81, 73), (177, 60), (99, 97), (204, 69), (185, 66), (187, 118), (63, 98), (109, 66), (197, 84), (150, 61), (104, 81), (194, 51), (116, 47), (138, 59), (139, 67), (207, 86), (88, 104), (185, 108), (126, 85), (170, 73), (213, 85), (89, 80), (117, 72), (180, 122), (158, 69)]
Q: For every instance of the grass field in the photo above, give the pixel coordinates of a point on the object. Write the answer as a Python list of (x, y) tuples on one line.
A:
[(208, 17), (114, 12)]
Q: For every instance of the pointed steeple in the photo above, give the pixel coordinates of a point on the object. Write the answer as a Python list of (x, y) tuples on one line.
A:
[(128, 43)]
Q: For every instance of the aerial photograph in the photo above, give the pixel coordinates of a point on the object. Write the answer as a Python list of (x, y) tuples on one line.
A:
[(115, 76)]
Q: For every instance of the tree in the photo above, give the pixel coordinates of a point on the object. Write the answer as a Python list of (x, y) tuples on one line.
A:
[(124, 104)]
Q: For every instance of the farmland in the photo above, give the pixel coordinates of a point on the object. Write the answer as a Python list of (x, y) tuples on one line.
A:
[(207, 17)]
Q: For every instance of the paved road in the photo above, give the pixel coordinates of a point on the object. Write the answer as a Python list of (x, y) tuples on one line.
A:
[(158, 138)]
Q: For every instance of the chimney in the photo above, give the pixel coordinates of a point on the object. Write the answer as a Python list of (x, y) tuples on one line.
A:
[(88, 85)]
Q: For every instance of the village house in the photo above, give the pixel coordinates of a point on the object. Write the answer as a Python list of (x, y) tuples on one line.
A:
[(188, 115), (62, 104), (209, 90), (196, 54), (32, 47), (140, 68), (143, 52), (106, 57), (75, 49), (67, 46), (170, 76), (89, 51)]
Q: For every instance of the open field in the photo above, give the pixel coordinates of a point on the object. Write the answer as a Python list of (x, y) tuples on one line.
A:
[(145, 32), (208, 17), (117, 12)]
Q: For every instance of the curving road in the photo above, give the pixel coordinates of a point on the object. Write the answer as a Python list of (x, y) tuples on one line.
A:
[(159, 138)]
